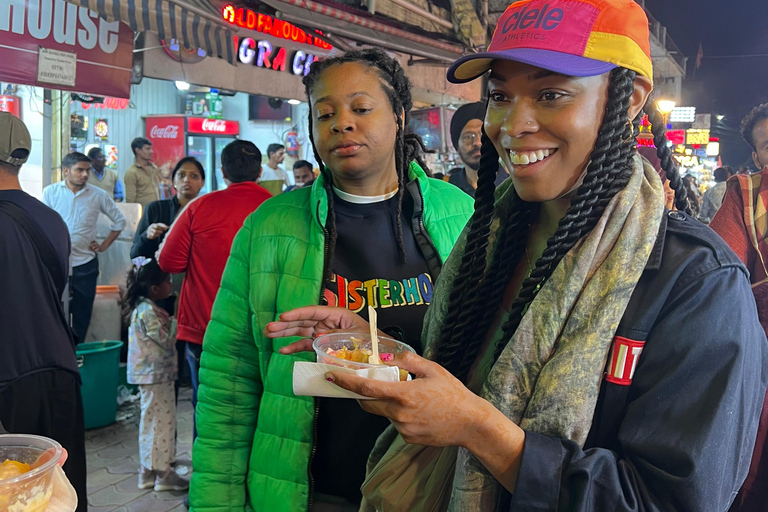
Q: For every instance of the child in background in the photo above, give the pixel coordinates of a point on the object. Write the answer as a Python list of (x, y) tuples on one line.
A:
[(153, 366)]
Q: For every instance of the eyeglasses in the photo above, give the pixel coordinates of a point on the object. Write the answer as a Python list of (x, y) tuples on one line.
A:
[(470, 138)]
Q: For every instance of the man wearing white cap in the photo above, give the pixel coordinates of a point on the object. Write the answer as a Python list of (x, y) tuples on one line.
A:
[(39, 377)]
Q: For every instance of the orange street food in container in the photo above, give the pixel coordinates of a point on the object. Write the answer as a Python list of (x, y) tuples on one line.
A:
[(353, 350), (27, 465)]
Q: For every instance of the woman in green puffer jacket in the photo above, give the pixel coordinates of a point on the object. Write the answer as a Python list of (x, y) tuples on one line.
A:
[(374, 229)]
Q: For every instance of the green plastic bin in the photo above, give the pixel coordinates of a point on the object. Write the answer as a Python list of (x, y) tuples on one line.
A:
[(99, 362)]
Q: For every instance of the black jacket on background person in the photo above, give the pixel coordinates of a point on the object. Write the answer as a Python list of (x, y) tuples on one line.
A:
[(680, 434), (164, 211), (458, 177)]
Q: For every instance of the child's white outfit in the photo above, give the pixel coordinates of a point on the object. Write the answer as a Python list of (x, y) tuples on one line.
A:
[(152, 364)]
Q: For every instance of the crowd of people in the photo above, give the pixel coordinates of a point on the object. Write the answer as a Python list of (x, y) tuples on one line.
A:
[(564, 304)]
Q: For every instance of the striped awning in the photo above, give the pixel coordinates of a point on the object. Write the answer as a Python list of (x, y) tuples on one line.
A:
[(193, 23)]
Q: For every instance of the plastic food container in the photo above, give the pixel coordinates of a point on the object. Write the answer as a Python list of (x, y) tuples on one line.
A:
[(337, 341), (30, 491)]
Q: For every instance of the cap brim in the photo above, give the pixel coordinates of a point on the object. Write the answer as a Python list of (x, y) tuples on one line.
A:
[(472, 66)]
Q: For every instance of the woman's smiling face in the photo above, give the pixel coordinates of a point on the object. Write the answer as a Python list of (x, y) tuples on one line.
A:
[(544, 125)]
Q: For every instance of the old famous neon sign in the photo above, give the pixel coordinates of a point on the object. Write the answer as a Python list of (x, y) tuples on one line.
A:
[(265, 24), (264, 55)]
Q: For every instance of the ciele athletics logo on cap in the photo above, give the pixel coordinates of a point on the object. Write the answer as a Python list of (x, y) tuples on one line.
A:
[(530, 24)]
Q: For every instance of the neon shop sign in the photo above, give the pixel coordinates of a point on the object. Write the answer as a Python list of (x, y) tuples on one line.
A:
[(246, 18), (264, 55)]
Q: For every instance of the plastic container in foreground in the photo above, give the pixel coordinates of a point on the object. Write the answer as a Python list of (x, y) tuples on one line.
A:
[(353, 341), (30, 491)]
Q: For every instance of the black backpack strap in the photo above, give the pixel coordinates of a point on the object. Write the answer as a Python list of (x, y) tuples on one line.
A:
[(44, 248)]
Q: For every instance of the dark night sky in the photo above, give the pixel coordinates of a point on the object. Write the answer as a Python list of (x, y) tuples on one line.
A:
[(728, 86)]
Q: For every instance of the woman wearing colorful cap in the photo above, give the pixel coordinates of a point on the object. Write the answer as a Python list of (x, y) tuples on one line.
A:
[(577, 352)]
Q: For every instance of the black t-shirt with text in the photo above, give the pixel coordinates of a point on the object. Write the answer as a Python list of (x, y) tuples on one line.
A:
[(368, 269)]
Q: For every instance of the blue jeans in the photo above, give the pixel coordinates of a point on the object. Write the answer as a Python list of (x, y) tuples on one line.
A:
[(83, 286), (193, 352)]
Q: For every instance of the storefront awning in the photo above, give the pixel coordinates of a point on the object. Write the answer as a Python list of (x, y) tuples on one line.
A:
[(193, 23), (313, 14)]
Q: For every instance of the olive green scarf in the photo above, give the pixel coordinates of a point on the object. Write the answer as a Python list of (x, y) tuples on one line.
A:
[(548, 377)]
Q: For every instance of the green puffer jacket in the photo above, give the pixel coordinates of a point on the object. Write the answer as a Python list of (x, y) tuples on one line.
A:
[(254, 435)]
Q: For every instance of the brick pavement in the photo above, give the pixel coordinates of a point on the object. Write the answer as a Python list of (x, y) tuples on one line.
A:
[(113, 462)]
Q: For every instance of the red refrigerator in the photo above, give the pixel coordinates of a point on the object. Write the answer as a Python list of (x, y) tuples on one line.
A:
[(175, 136)]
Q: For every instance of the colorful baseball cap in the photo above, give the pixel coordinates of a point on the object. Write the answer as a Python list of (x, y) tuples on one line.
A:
[(572, 37)]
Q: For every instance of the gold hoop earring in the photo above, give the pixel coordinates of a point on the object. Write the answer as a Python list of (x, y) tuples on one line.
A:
[(631, 132)]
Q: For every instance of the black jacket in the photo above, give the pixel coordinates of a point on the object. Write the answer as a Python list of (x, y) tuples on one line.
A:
[(680, 435), (458, 177), (34, 335), (164, 211)]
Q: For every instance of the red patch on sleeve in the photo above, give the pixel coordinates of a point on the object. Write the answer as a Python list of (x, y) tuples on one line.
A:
[(623, 360)]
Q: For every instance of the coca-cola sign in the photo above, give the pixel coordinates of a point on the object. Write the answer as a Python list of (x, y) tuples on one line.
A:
[(166, 133), (170, 131), (212, 126)]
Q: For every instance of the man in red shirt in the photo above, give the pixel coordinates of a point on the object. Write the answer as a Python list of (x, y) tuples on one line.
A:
[(742, 222), (737, 219), (199, 241)]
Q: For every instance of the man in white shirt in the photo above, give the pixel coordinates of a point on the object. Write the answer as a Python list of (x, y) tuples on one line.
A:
[(273, 177), (79, 204)]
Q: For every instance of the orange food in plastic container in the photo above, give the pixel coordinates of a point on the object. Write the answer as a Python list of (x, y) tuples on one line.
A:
[(27, 465), (352, 350)]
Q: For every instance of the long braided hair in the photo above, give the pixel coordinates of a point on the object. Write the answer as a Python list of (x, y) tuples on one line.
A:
[(408, 147), (479, 286), (664, 152)]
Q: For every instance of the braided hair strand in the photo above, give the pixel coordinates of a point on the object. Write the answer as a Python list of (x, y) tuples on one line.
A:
[(667, 162)]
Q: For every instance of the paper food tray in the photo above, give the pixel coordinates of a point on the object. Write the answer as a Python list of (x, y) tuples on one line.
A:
[(309, 379)]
